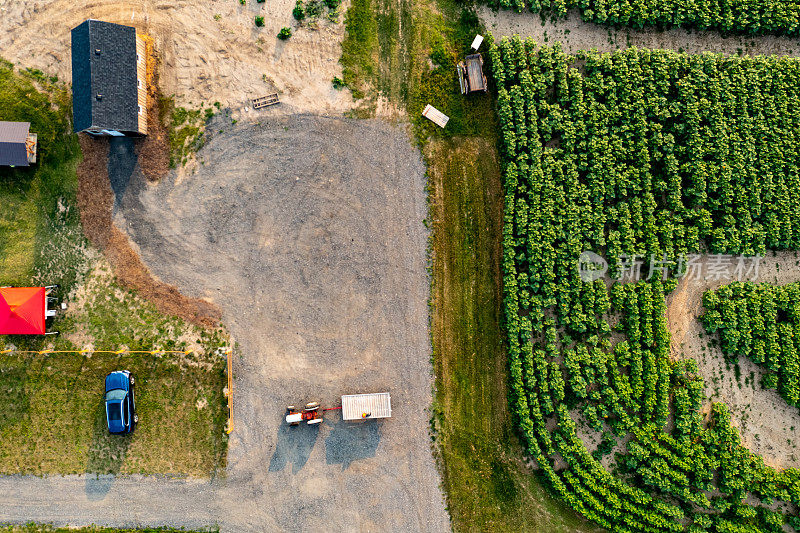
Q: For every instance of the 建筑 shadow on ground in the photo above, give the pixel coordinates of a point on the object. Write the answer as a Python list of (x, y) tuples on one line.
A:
[(106, 455), (294, 445), (122, 160), (351, 441)]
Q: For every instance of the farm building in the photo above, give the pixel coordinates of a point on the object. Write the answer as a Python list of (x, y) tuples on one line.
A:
[(109, 81), (17, 145)]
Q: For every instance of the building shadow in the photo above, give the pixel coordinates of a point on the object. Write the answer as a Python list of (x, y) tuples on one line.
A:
[(106, 455), (351, 441), (122, 161), (294, 445)]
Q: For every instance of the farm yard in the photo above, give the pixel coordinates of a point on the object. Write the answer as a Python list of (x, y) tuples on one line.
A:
[(528, 396)]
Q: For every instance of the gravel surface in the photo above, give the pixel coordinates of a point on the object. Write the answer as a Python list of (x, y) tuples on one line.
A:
[(308, 232)]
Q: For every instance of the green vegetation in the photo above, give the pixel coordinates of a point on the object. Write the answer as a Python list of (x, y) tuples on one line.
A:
[(761, 322), (51, 413), (407, 53), (637, 153), (285, 33), (488, 483), (338, 83), (259, 21), (298, 13), (779, 17), (185, 128)]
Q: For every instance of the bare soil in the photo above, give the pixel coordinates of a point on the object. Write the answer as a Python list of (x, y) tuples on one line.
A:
[(95, 201), (767, 424)]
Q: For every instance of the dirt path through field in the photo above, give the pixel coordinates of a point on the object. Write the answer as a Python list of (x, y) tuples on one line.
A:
[(768, 425), (574, 35)]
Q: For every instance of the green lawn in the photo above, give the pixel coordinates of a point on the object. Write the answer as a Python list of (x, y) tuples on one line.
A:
[(51, 412)]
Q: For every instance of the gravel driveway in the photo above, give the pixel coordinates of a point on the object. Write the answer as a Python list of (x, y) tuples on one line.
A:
[(308, 232)]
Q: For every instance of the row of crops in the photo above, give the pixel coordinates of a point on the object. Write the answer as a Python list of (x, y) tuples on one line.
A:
[(778, 17), (638, 153), (760, 322)]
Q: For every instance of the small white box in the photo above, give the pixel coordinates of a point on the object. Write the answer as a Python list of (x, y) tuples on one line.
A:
[(476, 43)]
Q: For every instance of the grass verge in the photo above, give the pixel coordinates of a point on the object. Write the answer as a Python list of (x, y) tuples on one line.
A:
[(51, 412)]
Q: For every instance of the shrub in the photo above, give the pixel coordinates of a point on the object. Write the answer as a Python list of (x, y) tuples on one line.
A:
[(259, 21), (338, 83), (242, 2), (285, 33), (298, 12)]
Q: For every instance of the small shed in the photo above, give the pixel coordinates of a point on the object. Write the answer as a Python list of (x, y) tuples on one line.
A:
[(18, 145), (366, 406), (109, 79), (435, 116), (470, 74)]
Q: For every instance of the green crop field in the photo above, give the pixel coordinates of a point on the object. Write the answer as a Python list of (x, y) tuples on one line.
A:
[(650, 154)]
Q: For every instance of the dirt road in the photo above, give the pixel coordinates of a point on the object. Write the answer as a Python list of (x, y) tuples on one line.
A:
[(308, 233), (574, 35)]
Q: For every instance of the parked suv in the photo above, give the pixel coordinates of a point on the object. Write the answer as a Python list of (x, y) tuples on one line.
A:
[(121, 415)]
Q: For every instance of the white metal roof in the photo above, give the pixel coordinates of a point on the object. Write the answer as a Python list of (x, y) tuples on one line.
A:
[(365, 406), (436, 116)]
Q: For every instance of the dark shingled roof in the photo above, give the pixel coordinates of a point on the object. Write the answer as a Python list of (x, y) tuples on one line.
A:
[(104, 63), (12, 143)]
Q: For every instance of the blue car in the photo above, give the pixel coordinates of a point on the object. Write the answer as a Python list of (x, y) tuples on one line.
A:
[(121, 415)]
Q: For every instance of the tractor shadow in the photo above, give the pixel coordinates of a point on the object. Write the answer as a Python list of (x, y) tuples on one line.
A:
[(294, 445), (351, 441), (105, 458)]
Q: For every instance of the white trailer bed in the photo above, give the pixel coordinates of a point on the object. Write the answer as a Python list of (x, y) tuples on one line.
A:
[(366, 406)]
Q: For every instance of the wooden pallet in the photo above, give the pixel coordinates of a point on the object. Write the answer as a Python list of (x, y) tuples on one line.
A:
[(265, 101)]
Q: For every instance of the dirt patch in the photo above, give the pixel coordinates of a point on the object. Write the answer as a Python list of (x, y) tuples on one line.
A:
[(574, 34), (212, 51), (95, 201), (767, 424)]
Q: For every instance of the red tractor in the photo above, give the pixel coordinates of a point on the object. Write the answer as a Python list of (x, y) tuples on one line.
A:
[(311, 414)]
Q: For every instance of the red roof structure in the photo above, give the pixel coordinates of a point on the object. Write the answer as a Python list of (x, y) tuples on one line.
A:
[(22, 310)]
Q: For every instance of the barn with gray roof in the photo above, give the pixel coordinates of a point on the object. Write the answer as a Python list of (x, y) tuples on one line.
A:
[(109, 82)]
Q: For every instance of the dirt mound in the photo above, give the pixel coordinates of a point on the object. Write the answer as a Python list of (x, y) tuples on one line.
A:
[(95, 201)]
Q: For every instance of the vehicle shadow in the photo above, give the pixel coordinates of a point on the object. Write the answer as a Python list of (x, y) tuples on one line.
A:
[(106, 456), (294, 445), (351, 441)]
